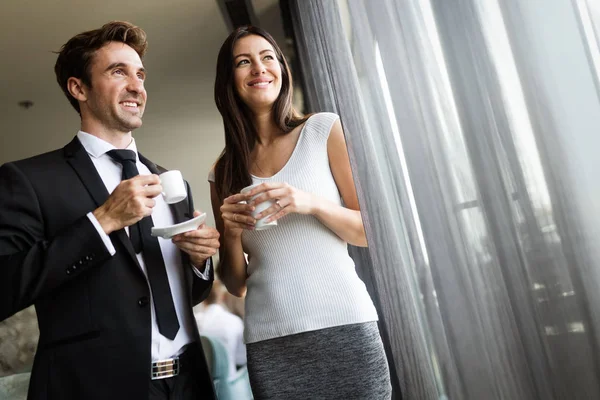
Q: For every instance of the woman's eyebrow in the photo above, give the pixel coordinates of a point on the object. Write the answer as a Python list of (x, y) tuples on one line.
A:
[(248, 55)]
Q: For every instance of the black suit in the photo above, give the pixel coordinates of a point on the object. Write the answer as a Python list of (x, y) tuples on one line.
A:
[(93, 309)]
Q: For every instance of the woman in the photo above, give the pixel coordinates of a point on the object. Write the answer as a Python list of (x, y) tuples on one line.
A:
[(310, 326)]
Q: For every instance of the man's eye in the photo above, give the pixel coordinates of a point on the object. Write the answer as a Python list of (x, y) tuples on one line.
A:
[(119, 71), (142, 77)]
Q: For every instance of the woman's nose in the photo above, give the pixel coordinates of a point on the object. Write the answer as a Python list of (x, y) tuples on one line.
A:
[(258, 69)]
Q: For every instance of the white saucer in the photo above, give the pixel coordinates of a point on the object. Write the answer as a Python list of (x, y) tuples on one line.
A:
[(168, 232)]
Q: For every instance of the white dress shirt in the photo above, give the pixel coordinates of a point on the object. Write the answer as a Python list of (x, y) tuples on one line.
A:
[(111, 171)]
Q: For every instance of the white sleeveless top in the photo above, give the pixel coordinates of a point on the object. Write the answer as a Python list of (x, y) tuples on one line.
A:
[(300, 276)]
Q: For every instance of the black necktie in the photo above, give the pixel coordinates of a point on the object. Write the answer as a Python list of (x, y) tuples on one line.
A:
[(140, 237)]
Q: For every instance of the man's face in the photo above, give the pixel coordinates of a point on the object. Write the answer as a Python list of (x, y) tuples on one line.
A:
[(116, 99)]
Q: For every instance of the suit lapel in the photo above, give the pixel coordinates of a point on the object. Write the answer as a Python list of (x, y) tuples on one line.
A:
[(80, 161), (85, 169)]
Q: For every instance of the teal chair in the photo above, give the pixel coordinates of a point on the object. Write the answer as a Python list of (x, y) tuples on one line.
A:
[(228, 388), (14, 387)]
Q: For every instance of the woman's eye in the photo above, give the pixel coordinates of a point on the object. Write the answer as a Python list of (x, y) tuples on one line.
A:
[(269, 57), (243, 62)]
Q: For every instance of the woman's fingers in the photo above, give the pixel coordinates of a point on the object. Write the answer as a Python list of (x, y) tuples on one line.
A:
[(265, 187), (240, 219), (277, 206), (270, 195), (236, 198), (237, 208)]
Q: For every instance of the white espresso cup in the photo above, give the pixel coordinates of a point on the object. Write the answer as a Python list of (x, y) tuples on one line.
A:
[(261, 223), (173, 186)]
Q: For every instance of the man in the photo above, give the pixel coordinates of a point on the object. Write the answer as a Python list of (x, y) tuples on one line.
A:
[(114, 304), (215, 320)]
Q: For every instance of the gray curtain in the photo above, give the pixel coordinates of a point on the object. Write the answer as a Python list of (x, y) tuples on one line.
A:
[(472, 132), (589, 24)]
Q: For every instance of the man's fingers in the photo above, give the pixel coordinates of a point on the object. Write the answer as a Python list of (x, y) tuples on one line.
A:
[(146, 185), (205, 233), (192, 248), (198, 254), (152, 191), (149, 202), (144, 180), (197, 243)]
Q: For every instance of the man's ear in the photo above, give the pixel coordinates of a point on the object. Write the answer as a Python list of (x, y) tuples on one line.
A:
[(77, 89)]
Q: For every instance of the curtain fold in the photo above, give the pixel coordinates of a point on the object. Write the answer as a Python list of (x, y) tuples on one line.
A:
[(589, 24), (469, 127), (322, 45)]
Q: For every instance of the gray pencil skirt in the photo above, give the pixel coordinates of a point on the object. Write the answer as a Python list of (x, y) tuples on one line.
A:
[(344, 362)]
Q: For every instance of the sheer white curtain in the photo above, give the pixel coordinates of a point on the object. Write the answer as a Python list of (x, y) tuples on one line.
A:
[(589, 19), (472, 130)]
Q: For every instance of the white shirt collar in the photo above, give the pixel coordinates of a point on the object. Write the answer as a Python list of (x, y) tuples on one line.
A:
[(97, 147)]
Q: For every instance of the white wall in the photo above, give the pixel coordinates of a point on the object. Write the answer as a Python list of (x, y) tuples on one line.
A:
[(182, 128)]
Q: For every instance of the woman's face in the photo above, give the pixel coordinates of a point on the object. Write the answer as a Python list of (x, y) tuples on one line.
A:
[(256, 72)]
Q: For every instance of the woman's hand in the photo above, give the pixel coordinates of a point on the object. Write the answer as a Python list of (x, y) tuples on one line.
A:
[(286, 200), (237, 216)]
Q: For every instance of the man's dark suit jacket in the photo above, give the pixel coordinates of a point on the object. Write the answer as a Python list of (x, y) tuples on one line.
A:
[(93, 309)]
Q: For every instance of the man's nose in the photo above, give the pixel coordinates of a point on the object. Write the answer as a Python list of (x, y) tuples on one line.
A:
[(135, 85)]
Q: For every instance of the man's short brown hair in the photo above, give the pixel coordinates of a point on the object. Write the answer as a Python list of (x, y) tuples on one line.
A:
[(75, 56)]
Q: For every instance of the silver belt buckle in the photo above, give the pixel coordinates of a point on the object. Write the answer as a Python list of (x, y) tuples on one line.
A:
[(162, 369)]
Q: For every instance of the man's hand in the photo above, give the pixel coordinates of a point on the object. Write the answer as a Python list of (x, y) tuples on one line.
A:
[(131, 201), (200, 244)]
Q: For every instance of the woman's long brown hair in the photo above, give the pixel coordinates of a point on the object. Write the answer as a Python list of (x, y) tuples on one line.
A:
[(232, 170)]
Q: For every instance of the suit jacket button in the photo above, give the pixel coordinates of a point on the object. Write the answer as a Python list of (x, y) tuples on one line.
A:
[(143, 301)]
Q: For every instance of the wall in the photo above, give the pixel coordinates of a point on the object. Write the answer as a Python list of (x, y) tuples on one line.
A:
[(182, 128)]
